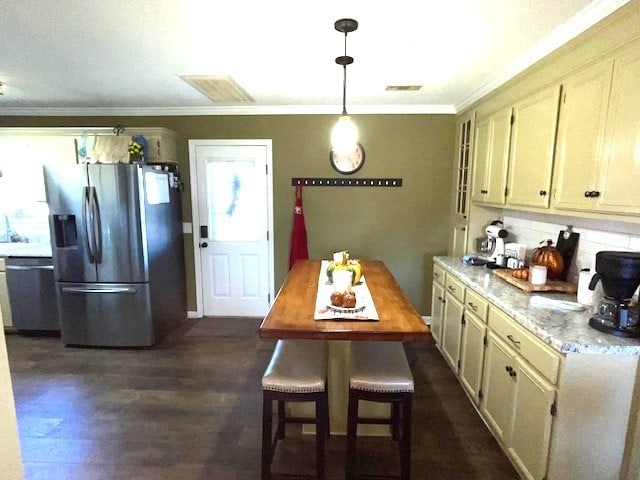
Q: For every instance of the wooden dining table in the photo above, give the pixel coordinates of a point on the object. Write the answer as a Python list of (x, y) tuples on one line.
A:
[(292, 317), (292, 314)]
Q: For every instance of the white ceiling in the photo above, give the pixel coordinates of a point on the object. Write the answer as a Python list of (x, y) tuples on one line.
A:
[(81, 57)]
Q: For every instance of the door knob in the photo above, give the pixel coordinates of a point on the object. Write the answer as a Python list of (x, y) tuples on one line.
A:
[(204, 245)]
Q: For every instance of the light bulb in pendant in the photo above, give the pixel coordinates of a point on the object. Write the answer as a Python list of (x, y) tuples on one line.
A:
[(344, 136)]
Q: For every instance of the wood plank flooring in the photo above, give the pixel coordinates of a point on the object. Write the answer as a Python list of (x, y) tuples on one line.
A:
[(191, 409)]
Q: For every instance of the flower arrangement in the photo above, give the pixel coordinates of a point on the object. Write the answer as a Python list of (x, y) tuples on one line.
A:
[(135, 151)]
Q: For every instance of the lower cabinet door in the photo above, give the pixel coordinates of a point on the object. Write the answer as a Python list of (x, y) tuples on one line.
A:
[(531, 429), (452, 330), (472, 354), (498, 386), (437, 305)]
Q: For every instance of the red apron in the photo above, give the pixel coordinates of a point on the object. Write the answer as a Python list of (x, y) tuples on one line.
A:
[(299, 249)]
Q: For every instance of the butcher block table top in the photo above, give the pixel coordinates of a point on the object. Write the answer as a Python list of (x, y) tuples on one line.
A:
[(292, 313)]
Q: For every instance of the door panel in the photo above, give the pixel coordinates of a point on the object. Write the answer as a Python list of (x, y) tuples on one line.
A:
[(580, 136), (533, 136), (233, 204), (498, 386), (437, 295), (106, 315), (498, 157), (123, 249), (472, 354), (618, 188), (451, 330), (65, 186)]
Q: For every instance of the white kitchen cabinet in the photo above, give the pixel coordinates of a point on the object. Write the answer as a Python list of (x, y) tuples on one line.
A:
[(452, 321), (533, 133), (437, 309), (463, 158), (472, 349), (162, 145), (581, 126), (533, 404), (491, 155), (620, 170), (498, 386), (459, 236)]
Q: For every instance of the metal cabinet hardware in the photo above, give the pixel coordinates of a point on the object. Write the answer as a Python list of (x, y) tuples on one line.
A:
[(515, 342), (473, 306)]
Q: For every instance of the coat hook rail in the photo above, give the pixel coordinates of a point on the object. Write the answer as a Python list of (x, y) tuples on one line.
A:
[(346, 182)]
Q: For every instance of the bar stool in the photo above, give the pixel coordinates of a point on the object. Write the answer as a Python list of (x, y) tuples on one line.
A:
[(297, 372), (379, 372)]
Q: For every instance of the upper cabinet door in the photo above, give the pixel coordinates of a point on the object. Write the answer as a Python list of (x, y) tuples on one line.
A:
[(463, 158), (491, 157), (498, 157), (581, 127), (481, 149), (533, 134), (618, 191)]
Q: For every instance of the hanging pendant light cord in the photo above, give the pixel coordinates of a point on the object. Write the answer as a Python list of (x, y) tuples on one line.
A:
[(344, 80)]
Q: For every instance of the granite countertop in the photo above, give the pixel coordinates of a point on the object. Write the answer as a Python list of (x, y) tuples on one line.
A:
[(29, 249), (565, 331)]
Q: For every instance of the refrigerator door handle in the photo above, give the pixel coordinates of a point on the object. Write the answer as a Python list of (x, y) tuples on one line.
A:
[(86, 218), (96, 221), (99, 290)]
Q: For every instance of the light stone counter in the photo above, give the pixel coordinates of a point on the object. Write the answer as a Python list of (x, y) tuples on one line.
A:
[(565, 331)]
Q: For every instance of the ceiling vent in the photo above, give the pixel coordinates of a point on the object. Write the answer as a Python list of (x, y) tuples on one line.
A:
[(403, 88), (219, 88)]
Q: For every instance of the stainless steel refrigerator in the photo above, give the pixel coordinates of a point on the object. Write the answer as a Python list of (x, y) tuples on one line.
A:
[(116, 239)]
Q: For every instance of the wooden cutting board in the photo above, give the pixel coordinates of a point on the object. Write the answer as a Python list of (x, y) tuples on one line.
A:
[(550, 286)]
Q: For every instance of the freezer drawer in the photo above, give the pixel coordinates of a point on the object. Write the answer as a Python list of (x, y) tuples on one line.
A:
[(32, 293), (105, 314)]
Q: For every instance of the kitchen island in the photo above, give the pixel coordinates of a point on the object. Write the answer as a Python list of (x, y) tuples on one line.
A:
[(558, 395), (292, 317)]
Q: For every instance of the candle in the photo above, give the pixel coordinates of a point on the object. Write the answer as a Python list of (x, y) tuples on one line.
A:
[(537, 274)]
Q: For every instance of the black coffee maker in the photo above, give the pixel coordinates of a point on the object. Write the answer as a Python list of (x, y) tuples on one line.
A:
[(619, 273)]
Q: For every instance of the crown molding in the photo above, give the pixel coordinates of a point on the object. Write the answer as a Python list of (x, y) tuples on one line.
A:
[(224, 110)]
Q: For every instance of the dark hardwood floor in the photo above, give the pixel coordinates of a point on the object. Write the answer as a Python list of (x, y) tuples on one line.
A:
[(191, 409)]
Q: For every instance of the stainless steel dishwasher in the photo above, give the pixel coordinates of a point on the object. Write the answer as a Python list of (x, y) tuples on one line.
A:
[(32, 293)]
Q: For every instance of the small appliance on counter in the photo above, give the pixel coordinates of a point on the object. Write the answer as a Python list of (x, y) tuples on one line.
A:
[(490, 247), (514, 254), (619, 273)]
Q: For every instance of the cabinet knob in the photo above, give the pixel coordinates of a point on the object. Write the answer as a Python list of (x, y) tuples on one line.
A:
[(508, 369), (592, 194), (543, 193), (204, 245)]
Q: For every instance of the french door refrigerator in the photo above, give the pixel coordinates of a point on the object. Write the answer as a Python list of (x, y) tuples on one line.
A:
[(116, 239)]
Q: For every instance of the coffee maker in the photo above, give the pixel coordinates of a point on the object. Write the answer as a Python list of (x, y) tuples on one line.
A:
[(619, 273)]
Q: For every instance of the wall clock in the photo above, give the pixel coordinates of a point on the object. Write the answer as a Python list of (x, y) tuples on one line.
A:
[(348, 163)]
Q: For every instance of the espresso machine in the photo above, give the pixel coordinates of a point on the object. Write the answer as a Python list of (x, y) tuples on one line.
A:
[(619, 273)]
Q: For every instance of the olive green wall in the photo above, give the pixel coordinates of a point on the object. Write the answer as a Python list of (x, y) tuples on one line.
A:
[(404, 226)]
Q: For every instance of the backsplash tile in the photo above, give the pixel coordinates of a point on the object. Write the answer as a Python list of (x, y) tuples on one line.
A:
[(595, 236)]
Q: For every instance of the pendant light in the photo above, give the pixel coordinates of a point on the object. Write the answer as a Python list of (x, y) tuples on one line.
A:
[(344, 136)]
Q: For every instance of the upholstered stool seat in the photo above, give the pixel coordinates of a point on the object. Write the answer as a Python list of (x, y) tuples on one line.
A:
[(297, 372), (379, 372)]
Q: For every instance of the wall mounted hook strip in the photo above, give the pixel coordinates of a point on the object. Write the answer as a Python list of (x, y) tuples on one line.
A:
[(346, 182)]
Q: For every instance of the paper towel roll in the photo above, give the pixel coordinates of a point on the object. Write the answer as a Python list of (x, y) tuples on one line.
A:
[(585, 296)]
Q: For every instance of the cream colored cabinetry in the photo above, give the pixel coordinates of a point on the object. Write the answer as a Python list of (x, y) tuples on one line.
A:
[(462, 182), (517, 392), (533, 133), (583, 111), (597, 161), (5, 307), (437, 303), (161, 144), (620, 171), (472, 344), (452, 320), (491, 155)]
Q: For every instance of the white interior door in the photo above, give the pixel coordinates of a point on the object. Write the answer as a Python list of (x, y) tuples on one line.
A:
[(231, 226)]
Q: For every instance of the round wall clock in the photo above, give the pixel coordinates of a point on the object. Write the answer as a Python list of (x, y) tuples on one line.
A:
[(348, 163)]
